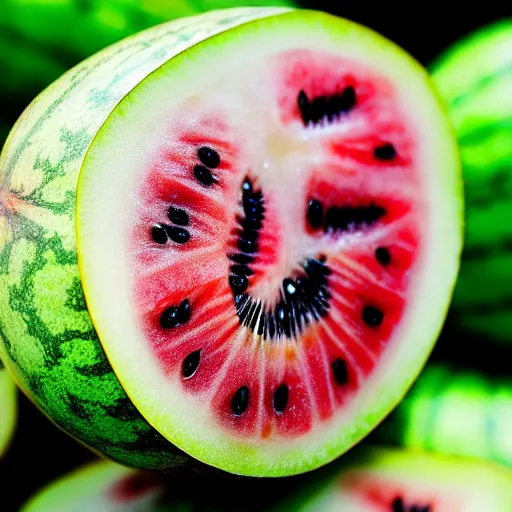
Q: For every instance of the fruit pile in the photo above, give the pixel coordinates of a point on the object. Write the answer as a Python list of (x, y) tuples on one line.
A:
[(231, 241)]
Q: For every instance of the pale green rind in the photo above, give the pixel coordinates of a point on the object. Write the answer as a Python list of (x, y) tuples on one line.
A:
[(47, 340), (7, 409), (439, 262)]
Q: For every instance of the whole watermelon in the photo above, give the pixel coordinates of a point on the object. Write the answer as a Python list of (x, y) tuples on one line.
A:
[(475, 80)]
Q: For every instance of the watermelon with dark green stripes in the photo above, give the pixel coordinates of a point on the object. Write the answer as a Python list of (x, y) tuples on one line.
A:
[(475, 80)]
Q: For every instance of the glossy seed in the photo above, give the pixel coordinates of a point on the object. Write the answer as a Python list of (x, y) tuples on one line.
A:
[(208, 157), (383, 256), (175, 316), (271, 326), (280, 398), (240, 401), (249, 234), (247, 246), (339, 370), (178, 235), (158, 234), (315, 214), (290, 288), (190, 364), (178, 216), (255, 316), (385, 152), (348, 100), (372, 316), (238, 283), (247, 187), (241, 270), (203, 175), (243, 259)]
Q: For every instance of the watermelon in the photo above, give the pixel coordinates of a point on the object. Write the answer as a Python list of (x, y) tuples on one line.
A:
[(385, 480), (147, 196), (7, 409), (370, 480), (455, 412), (475, 79)]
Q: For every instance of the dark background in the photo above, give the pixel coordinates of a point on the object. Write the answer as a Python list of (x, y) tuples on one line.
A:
[(40, 452)]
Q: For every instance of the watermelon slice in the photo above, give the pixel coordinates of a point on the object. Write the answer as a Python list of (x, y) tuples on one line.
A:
[(474, 77), (102, 486), (7, 408), (370, 480), (384, 480), (265, 229)]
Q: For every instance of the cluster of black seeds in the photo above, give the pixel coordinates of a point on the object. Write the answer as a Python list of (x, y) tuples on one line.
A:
[(210, 159), (303, 300), (162, 233), (251, 222), (345, 218), (398, 505), (326, 108)]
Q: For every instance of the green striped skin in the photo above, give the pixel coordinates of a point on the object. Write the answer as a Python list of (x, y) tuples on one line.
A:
[(475, 80), (47, 339), (461, 414)]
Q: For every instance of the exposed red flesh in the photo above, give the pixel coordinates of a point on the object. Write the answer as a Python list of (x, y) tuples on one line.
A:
[(345, 172)]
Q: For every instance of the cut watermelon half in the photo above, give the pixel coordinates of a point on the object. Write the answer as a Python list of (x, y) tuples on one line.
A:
[(384, 480), (7, 408), (268, 231)]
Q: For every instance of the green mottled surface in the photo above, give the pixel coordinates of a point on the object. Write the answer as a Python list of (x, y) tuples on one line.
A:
[(458, 414), (47, 340), (475, 79)]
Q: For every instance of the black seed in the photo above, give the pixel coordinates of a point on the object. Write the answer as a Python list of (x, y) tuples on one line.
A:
[(178, 216), (348, 100), (243, 259), (247, 246), (190, 364), (331, 219), (372, 316), (320, 305), (339, 370), (238, 284), (318, 109), (249, 234), (262, 326), (175, 316), (252, 223), (280, 398), (283, 319), (253, 209), (271, 325), (315, 214), (374, 213), (289, 288), (241, 270), (158, 234), (240, 401), (304, 106), (178, 235), (242, 303), (203, 175), (319, 266), (398, 505), (383, 256), (247, 187), (385, 152), (208, 157)]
